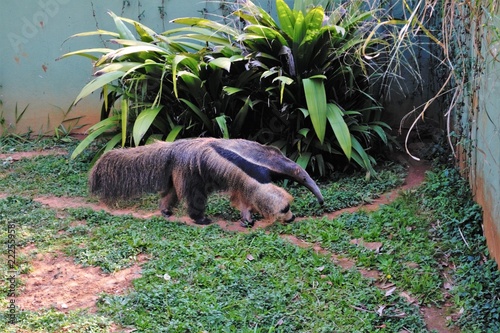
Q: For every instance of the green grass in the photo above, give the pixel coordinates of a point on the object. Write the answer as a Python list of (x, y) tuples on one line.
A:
[(213, 283), (207, 279), (407, 254), (22, 143)]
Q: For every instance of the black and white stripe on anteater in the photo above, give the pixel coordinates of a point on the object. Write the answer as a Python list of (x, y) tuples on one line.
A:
[(191, 169)]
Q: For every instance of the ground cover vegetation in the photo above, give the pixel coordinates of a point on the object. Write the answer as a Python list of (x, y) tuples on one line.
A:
[(210, 279), (307, 81)]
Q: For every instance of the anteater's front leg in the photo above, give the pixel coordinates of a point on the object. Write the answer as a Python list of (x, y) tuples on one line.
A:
[(238, 202)]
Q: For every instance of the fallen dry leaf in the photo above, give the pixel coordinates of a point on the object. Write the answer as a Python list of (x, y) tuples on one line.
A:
[(380, 310), (408, 297), (390, 291)]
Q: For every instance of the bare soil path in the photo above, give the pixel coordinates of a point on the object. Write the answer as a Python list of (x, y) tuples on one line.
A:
[(56, 281)]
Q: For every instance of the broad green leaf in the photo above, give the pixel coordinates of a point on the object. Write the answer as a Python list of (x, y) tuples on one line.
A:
[(146, 47), (113, 142), (250, 19), (86, 53), (97, 32), (224, 63), (270, 72), (105, 122), (172, 135), (205, 23), (143, 123), (381, 123), (284, 80), (285, 17), (305, 112), (203, 117), (352, 113), (362, 158), (239, 120), (181, 35), (141, 28), (304, 132), (269, 34), (98, 83), (221, 121), (119, 67), (232, 90), (96, 130), (255, 15), (124, 32), (191, 80), (315, 94), (381, 133), (314, 18), (140, 50), (320, 162), (299, 30), (303, 159), (124, 113), (201, 37), (335, 117), (143, 33), (178, 59), (318, 76)]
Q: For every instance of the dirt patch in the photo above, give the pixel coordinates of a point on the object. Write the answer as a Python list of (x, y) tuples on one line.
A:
[(16, 156), (79, 202), (57, 282)]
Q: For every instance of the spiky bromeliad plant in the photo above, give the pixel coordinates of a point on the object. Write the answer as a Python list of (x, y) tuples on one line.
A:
[(301, 83)]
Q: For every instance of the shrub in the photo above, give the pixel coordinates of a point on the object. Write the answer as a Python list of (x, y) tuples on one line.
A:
[(302, 83)]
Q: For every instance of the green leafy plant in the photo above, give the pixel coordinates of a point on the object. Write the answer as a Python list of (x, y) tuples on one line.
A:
[(8, 130), (302, 83)]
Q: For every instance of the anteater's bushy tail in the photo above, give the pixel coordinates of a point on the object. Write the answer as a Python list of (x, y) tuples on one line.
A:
[(130, 172)]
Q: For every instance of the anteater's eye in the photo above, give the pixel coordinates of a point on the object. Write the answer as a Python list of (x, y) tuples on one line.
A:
[(285, 210)]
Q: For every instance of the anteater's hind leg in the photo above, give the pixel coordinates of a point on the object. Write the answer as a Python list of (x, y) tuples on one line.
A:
[(192, 189), (168, 201), (196, 203)]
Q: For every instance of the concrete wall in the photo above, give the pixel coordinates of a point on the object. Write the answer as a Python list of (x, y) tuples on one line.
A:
[(35, 34), (477, 61), (485, 155)]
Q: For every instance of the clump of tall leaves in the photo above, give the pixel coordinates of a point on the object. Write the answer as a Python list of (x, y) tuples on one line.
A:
[(301, 82)]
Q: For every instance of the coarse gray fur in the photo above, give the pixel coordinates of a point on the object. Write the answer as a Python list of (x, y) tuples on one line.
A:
[(191, 169)]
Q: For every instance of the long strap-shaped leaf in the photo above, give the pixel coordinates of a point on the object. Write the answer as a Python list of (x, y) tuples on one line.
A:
[(98, 83), (315, 94), (124, 32), (286, 17), (340, 129), (96, 130), (143, 122), (124, 112)]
